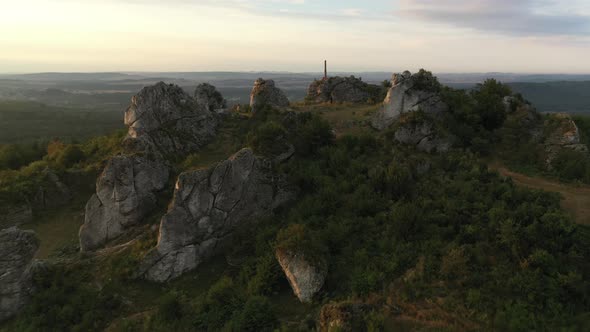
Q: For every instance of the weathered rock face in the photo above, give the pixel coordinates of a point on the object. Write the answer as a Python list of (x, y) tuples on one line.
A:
[(306, 279), (125, 193), (265, 93), (164, 120), (565, 136), (15, 215), (409, 93), (340, 90), (17, 249), (208, 206), (423, 135), (209, 98)]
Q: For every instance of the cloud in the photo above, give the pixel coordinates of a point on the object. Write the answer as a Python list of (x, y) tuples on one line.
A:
[(509, 17)]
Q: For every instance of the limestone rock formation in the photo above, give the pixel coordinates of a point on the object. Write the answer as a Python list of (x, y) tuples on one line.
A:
[(565, 135), (125, 193), (305, 278), (209, 98), (410, 93), (265, 93), (164, 120), (208, 206), (423, 134), (17, 249), (340, 90)]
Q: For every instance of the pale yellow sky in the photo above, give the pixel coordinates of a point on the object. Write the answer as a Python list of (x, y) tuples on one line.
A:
[(272, 35)]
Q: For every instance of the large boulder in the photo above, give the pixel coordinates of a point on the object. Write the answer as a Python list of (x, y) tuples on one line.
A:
[(341, 90), (265, 93), (305, 277), (209, 98), (165, 121), (422, 133), (208, 206), (564, 134), (410, 93), (17, 249), (125, 194)]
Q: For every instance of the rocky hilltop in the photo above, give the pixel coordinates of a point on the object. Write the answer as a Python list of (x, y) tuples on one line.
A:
[(17, 248), (208, 206), (342, 90), (265, 93), (164, 122), (410, 93)]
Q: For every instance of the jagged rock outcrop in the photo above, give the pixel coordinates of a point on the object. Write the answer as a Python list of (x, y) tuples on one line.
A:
[(209, 98), (17, 249), (164, 120), (423, 134), (564, 135), (15, 215), (125, 193), (265, 93), (305, 278), (410, 93), (208, 206), (342, 316), (341, 90)]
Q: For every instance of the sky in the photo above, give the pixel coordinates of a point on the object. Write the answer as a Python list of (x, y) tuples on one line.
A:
[(521, 36)]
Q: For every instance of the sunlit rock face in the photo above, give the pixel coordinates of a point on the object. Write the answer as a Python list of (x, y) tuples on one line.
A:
[(17, 249), (565, 135), (165, 121), (265, 93), (305, 278), (409, 93), (208, 206)]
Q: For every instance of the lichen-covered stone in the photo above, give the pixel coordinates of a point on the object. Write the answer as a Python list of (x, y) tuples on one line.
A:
[(17, 249), (409, 93), (125, 193), (208, 206), (423, 134), (305, 277), (565, 135), (165, 121), (265, 93)]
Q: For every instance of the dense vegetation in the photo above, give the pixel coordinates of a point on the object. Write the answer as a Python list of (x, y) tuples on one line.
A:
[(394, 228)]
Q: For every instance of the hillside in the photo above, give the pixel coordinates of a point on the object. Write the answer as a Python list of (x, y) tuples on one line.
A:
[(364, 216)]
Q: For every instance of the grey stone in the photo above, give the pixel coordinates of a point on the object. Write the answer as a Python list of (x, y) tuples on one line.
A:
[(409, 93), (306, 279), (208, 206), (165, 121), (125, 193), (17, 249), (423, 135), (339, 90), (209, 98), (265, 93), (566, 135)]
